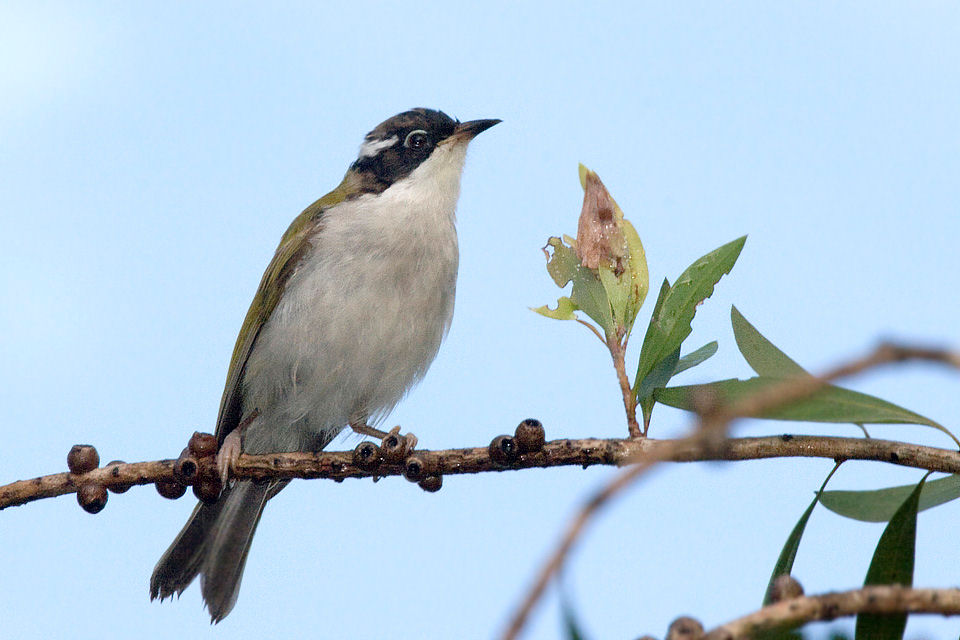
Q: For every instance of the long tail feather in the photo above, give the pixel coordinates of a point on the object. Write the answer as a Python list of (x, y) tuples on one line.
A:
[(214, 543)]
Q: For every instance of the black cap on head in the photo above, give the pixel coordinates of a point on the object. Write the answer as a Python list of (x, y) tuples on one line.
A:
[(399, 144)]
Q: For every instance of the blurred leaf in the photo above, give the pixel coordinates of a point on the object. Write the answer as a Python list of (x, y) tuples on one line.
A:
[(694, 358), (564, 311), (669, 328), (760, 353), (830, 404), (572, 629), (892, 564), (769, 361), (881, 505), (784, 564)]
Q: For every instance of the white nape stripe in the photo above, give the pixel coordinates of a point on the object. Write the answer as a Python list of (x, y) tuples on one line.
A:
[(371, 148)]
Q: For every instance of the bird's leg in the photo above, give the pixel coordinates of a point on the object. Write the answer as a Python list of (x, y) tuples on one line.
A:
[(228, 454), (361, 427), (232, 447)]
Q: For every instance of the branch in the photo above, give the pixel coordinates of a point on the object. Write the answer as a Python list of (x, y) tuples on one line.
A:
[(882, 599), (339, 465), (709, 442)]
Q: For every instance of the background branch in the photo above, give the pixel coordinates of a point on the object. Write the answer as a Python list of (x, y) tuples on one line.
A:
[(880, 599)]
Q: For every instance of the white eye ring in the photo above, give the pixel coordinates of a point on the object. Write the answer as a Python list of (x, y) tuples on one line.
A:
[(409, 141)]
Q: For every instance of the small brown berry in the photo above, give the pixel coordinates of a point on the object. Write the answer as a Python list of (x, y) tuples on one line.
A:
[(503, 450), (208, 489), (117, 488), (414, 469), (92, 497), (366, 455), (170, 489), (186, 468), (393, 448), (685, 628), (82, 458), (785, 587), (202, 445), (530, 436), (431, 484)]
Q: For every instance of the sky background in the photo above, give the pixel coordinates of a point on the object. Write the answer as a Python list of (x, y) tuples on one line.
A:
[(151, 155)]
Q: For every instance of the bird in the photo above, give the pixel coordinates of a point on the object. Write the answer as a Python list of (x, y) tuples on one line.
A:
[(348, 316)]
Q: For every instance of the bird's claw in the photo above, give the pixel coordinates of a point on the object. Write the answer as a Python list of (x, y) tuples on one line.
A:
[(409, 440), (228, 455)]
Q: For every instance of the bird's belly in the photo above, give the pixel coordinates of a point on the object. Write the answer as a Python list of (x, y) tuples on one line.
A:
[(346, 342)]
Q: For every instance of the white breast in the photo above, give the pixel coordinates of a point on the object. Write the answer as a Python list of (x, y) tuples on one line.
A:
[(363, 316)]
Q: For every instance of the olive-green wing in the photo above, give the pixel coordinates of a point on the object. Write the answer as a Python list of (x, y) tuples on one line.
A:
[(293, 246)]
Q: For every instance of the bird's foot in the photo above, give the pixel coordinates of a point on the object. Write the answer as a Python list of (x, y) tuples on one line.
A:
[(407, 441), (228, 454), (410, 440)]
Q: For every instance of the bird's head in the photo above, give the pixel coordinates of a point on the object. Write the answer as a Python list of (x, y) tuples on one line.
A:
[(420, 144)]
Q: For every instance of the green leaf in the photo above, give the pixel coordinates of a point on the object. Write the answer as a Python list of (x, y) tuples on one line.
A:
[(587, 295), (880, 505), (788, 554), (656, 379), (769, 361), (830, 404), (694, 358), (892, 564), (617, 289), (572, 629), (669, 328), (760, 353), (564, 311), (583, 171), (562, 265), (643, 388), (639, 276)]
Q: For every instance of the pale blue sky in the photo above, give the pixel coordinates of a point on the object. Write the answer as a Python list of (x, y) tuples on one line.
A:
[(151, 154)]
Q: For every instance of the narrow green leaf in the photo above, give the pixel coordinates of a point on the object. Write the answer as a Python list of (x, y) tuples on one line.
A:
[(892, 563), (643, 388), (671, 326), (830, 404), (694, 358), (788, 554), (656, 379), (760, 353), (654, 335), (572, 628), (880, 505)]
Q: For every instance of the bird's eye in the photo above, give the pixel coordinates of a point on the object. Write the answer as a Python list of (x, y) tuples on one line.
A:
[(416, 139)]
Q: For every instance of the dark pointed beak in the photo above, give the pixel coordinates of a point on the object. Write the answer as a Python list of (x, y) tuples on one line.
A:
[(468, 130)]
